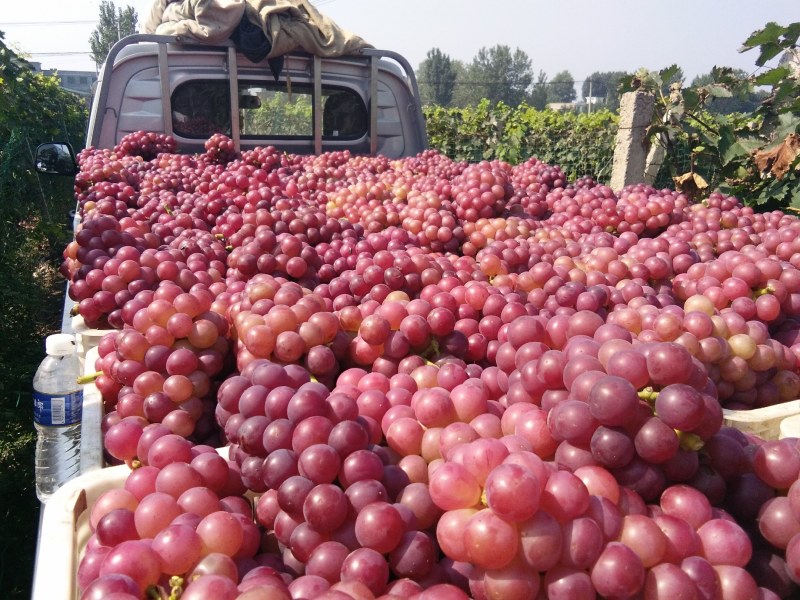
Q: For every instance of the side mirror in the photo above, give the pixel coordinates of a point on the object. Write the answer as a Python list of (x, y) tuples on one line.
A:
[(56, 158), (249, 102)]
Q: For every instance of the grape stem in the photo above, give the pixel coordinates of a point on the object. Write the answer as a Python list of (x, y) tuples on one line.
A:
[(690, 441), (176, 587), (431, 350), (153, 593), (648, 394), (90, 378)]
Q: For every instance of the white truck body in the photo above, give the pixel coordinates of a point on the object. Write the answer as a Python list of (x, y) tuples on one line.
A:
[(191, 90)]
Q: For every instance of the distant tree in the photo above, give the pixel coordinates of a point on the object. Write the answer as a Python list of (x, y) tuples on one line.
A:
[(538, 96), (468, 91), (437, 78), (498, 75), (604, 85), (561, 88), (744, 99), (114, 24)]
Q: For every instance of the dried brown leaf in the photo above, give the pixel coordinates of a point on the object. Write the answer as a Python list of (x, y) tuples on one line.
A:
[(691, 184), (779, 159)]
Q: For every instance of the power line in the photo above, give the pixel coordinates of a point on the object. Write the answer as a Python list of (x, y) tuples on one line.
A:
[(40, 23), (55, 53), (509, 83)]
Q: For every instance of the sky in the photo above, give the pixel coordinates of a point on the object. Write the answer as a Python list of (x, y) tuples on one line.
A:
[(580, 36)]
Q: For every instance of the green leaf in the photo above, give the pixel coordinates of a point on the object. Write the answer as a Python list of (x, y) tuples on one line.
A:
[(772, 76), (786, 90), (775, 190), (787, 123), (669, 72), (691, 99), (768, 52), (791, 34), (794, 197), (722, 74), (732, 148), (771, 33), (718, 91)]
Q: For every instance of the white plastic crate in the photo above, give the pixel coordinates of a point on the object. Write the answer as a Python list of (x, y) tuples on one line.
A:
[(86, 338), (64, 531), (790, 427), (762, 422)]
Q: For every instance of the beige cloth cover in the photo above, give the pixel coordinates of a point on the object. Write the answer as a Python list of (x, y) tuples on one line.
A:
[(288, 24)]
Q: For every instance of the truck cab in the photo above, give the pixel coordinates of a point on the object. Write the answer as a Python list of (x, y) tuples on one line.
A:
[(367, 103)]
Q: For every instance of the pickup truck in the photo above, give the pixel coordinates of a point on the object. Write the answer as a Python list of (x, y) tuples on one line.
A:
[(368, 103)]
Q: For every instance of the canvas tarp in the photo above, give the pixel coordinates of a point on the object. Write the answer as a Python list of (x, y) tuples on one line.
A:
[(287, 24)]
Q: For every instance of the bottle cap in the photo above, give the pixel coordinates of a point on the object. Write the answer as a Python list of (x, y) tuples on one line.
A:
[(60, 344)]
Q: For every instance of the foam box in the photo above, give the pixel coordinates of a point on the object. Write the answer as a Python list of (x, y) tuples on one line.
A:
[(763, 422), (91, 421), (64, 531)]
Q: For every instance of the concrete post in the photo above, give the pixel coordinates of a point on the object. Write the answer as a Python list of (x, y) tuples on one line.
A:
[(630, 152), (655, 159)]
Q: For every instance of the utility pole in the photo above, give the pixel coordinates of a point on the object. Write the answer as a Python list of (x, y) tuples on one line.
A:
[(119, 18), (589, 109)]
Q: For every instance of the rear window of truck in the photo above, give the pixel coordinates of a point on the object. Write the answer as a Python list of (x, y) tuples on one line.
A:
[(201, 108)]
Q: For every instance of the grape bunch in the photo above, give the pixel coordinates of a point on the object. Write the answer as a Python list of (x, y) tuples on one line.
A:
[(146, 144), (219, 149), (432, 379)]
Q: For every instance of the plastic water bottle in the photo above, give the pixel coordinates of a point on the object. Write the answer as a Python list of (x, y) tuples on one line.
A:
[(57, 408)]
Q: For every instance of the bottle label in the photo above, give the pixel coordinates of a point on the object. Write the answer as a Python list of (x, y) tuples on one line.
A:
[(53, 410)]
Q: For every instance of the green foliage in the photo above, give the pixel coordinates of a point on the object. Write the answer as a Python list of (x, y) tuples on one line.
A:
[(279, 116), (496, 74), (114, 24), (604, 85), (437, 78), (33, 231), (580, 144), (743, 99), (754, 156), (562, 87), (33, 110), (538, 98), (20, 507)]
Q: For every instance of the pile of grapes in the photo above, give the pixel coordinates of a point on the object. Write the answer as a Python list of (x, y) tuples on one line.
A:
[(345, 377)]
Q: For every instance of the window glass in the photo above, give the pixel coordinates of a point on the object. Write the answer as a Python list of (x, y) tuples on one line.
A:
[(202, 108), (344, 115), (274, 112)]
